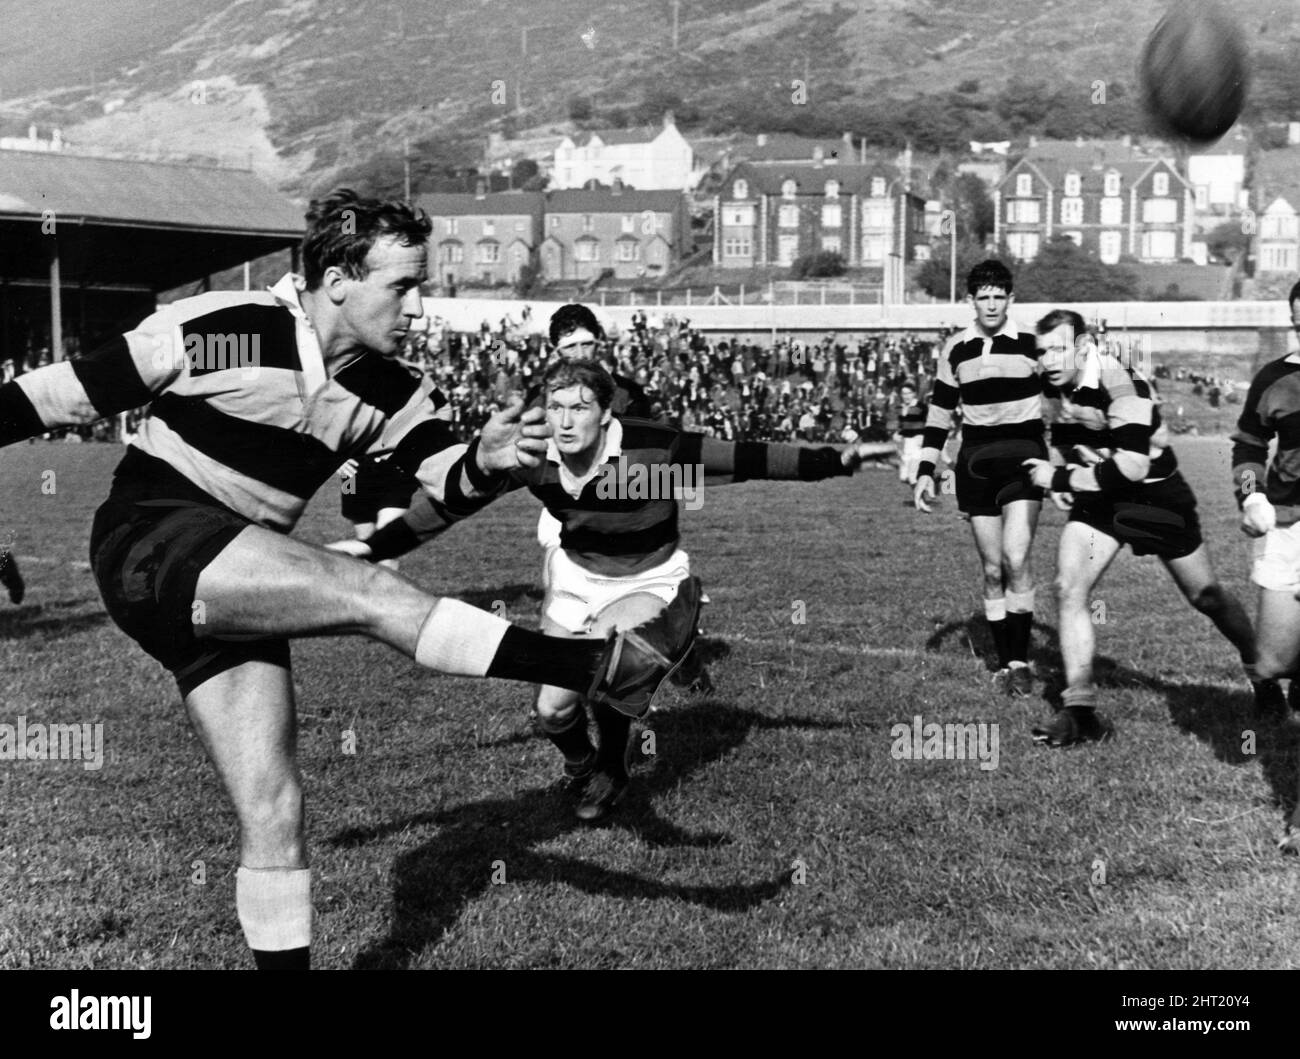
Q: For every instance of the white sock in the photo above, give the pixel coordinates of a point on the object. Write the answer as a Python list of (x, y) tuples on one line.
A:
[(274, 907), (1021, 602), (995, 609), (459, 639)]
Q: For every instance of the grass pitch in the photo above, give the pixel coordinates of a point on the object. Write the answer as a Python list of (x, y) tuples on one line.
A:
[(773, 826)]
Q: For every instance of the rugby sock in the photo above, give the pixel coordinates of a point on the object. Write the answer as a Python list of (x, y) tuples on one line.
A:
[(274, 908), (995, 611), (1020, 622), (571, 740), (614, 728), (467, 642)]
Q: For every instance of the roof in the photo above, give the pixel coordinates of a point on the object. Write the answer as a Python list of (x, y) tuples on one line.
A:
[(616, 137), (787, 147), (466, 204), (1092, 180), (810, 178), (583, 200), (1277, 173), (148, 194)]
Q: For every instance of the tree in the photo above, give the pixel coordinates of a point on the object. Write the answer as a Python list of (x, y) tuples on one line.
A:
[(973, 205), (933, 275), (822, 264), (1228, 242), (1066, 273)]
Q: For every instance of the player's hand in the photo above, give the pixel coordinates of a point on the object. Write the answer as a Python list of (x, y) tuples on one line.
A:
[(1063, 501), (514, 437), (1040, 472), (348, 470), (1258, 516), (1090, 457), (355, 548), (923, 491), (867, 450)]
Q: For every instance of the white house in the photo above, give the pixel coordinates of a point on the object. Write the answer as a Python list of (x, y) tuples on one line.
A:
[(1218, 175), (1278, 245), (644, 159)]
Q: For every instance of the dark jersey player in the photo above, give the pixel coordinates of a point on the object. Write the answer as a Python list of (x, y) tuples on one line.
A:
[(1120, 480), (613, 485), (191, 552), (990, 373)]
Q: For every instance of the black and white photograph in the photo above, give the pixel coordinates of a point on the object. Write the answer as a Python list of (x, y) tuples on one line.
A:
[(661, 485)]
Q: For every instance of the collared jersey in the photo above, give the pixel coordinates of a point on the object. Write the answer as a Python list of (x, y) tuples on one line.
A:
[(1108, 423), (995, 382), (240, 404), (1272, 410)]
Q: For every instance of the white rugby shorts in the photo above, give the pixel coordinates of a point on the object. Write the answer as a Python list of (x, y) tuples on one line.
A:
[(574, 596), (1276, 559)]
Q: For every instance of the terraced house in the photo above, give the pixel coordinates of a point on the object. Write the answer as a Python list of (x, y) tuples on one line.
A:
[(482, 238), (773, 214), (1115, 205), (634, 234)]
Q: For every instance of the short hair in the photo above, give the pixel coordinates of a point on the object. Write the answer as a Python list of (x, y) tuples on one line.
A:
[(342, 227), (990, 273), (1057, 317), (1295, 293), (569, 318), (589, 373)]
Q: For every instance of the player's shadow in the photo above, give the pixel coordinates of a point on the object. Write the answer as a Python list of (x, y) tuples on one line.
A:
[(434, 883), (43, 619), (1220, 716), (511, 595)]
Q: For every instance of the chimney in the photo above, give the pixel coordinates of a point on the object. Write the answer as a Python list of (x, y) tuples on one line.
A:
[(32, 133), (818, 156), (848, 142), (762, 139), (56, 140), (1128, 140), (480, 189), (616, 186), (1033, 141), (670, 119), (1098, 160), (1078, 141)]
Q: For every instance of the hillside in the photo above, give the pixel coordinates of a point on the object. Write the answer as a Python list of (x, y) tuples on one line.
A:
[(307, 88)]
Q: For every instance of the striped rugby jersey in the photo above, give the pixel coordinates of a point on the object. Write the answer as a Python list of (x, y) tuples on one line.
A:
[(1272, 410), (995, 382), (241, 407), (911, 420), (608, 525), (1108, 427)]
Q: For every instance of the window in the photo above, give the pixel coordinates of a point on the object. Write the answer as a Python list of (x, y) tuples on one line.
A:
[(1023, 211), (586, 250), (629, 224), (789, 189), (587, 224), (489, 253), (1112, 211), (831, 244), (877, 187), (874, 249), (1071, 211), (1160, 211), (877, 215), (787, 249), (1073, 185), (1202, 197), (627, 250), (489, 227), (1023, 245), (738, 216), (740, 189), (519, 227), (453, 226), (1160, 184), (1024, 185), (1111, 185), (555, 221), (1110, 245), (832, 189), (737, 248), (788, 217), (1278, 259), (832, 215), (1160, 246), (452, 253)]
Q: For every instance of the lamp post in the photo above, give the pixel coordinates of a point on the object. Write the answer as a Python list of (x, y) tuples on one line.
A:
[(948, 227)]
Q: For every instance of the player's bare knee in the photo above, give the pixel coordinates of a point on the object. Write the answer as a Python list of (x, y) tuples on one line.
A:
[(1071, 590), (555, 713), (273, 819)]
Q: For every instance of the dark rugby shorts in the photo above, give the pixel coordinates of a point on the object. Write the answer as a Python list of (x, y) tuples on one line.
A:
[(1158, 519), (146, 556), (378, 484), (980, 494)]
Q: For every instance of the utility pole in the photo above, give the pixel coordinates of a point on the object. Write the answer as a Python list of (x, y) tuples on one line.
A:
[(677, 4), (406, 164), (948, 226)]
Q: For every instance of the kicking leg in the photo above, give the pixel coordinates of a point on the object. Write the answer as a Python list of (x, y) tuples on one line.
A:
[(245, 719)]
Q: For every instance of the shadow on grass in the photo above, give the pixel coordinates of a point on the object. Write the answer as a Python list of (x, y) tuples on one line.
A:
[(433, 884), (1222, 717), (511, 595), (47, 619)]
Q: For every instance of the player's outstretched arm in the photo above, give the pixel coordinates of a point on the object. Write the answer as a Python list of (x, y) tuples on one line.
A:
[(742, 461)]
